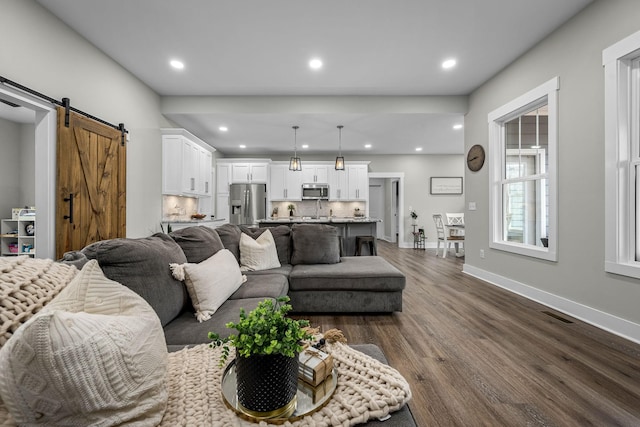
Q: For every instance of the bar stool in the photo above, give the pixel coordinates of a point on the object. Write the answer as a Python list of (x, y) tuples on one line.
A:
[(366, 240)]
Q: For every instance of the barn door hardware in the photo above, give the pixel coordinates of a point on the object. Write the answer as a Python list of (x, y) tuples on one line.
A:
[(70, 200), (65, 103)]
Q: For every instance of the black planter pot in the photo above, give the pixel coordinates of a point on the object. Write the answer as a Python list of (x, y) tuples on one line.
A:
[(267, 384)]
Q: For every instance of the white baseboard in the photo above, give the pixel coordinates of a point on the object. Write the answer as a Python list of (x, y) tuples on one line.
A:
[(600, 319)]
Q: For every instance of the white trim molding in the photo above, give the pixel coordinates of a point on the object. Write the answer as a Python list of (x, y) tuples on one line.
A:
[(590, 315), (622, 156), (547, 91)]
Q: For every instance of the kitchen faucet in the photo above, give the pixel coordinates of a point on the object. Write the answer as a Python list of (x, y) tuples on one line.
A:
[(318, 207)]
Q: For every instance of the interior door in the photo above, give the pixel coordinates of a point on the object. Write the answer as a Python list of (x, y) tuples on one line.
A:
[(91, 183)]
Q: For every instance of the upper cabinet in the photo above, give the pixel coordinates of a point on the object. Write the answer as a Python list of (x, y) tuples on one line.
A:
[(338, 188), (186, 164), (284, 183), (254, 172), (358, 182), (315, 173)]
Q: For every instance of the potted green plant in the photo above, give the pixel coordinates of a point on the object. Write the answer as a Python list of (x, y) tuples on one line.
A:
[(267, 345), (291, 208)]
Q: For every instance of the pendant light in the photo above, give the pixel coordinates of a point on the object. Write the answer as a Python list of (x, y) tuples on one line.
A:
[(294, 163), (340, 159)]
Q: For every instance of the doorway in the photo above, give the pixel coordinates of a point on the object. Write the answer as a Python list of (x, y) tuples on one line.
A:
[(43, 165), (386, 195)]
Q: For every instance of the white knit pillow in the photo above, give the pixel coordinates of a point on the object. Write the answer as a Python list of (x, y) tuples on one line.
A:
[(258, 254), (95, 355), (211, 282)]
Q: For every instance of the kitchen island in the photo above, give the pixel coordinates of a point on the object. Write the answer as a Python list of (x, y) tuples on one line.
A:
[(348, 227)]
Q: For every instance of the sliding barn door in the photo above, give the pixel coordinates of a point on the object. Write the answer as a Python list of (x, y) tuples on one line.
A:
[(91, 183)]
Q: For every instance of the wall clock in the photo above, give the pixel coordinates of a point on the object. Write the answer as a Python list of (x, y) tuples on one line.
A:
[(475, 158)]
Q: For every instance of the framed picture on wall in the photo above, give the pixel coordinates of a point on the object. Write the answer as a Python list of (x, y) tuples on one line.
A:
[(446, 185)]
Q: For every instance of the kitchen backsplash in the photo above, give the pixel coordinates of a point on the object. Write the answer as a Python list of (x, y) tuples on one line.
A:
[(308, 208), (178, 208)]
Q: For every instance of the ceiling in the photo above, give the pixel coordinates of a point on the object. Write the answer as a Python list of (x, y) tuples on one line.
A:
[(368, 47)]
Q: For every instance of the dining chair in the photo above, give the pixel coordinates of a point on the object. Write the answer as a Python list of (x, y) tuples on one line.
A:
[(455, 219), (444, 236)]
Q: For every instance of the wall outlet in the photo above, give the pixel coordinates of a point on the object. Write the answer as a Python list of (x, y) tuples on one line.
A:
[(472, 206), (482, 253)]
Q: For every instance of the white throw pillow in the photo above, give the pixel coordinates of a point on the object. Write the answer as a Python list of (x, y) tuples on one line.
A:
[(258, 254), (95, 355), (211, 282)]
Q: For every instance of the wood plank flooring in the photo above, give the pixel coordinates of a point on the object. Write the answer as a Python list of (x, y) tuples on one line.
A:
[(477, 355)]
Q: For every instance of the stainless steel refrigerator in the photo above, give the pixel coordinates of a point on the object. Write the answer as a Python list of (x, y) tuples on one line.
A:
[(247, 203)]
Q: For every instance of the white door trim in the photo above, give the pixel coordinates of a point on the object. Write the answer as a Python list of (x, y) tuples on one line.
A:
[(402, 243)]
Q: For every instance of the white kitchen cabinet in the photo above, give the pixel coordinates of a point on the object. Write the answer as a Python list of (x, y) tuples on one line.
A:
[(358, 182), (338, 185), (223, 178), (205, 172), (222, 206), (257, 173), (284, 183), (186, 164), (315, 174)]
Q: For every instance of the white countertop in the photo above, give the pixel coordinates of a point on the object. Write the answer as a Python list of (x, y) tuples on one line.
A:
[(327, 220)]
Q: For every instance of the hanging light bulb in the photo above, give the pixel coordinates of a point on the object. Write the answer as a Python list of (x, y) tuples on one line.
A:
[(340, 159), (294, 163)]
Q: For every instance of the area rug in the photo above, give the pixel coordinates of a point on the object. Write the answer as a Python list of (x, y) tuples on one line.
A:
[(367, 389)]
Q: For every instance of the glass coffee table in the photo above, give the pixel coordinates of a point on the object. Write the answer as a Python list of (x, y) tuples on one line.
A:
[(308, 398)]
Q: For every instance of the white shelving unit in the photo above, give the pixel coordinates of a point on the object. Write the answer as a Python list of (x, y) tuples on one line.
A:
[(17, 236)]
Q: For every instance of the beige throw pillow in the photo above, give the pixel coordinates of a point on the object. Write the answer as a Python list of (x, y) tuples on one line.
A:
[(258, 254), (211, 282), (95, 355)]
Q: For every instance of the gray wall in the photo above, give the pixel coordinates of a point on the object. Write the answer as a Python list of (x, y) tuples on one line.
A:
[(574, 53), (10, 165), (44, 54)]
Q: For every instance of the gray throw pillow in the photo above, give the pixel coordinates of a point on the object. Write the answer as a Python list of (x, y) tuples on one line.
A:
[(197, 243), (230, 236), (315, 244), (142, 265), (281, 235)]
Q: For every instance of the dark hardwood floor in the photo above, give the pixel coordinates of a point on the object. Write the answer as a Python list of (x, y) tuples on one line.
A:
[(475, 354)]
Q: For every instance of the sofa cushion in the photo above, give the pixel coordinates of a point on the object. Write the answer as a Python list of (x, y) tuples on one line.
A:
[(230, 237), (142, 265), (197, 243), (95, 355), (315, 244), (258, 254), (262, 286), (282, 236), (210, 282), (369, 273), (184, 330)]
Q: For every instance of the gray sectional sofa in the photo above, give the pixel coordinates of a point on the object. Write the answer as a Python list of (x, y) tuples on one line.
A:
[(312, 273)]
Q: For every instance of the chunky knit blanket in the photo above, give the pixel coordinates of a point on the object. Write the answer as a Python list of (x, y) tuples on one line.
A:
[(26, 285), (367, 389)]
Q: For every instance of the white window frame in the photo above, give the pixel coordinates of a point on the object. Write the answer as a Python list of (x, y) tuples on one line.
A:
[(548, 92), (622, 158)]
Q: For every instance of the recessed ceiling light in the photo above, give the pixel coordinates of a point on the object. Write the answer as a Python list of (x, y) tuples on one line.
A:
[(305, 145), (367, 145), (457, 126), (243, 146), (419, 149), (178, 65), (449, 63), (223, 128), (315, 64)]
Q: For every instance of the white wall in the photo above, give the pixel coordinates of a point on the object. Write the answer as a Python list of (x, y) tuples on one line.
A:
[(576, 283), (44, 54)]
